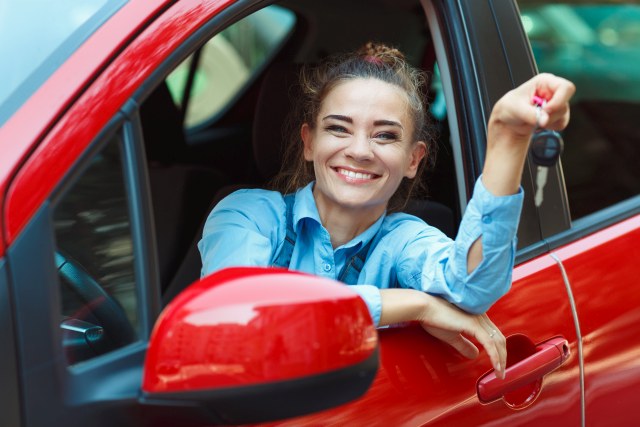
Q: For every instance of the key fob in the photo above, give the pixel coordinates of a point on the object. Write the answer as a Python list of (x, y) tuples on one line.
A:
[(546, 147)]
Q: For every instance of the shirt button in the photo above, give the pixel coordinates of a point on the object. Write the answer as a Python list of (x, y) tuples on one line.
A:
[(326, 267), (487, 219)]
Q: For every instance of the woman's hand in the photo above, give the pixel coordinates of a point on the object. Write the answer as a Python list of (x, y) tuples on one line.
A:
[(446, 322), (451, 325), (512, 122), (516, 113)]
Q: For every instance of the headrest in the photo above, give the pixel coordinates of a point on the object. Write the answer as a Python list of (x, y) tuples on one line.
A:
[(279, 89)]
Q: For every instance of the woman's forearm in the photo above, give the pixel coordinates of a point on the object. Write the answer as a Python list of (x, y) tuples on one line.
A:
[(401, 305), (445, 322)]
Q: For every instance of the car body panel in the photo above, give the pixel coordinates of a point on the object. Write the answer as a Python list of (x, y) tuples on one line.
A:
[(423, 382), (603, 271)]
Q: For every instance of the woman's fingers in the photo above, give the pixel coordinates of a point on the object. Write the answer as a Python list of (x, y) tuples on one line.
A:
[(452, 325), (455, 340), (557, 92), (491, 346), (500, 342), (518, 110)]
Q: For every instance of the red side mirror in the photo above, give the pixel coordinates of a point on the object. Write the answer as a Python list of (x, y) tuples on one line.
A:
[(265, 336)]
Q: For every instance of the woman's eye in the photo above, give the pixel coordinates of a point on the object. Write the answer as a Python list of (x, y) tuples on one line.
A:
[(336, 129), (386, 136)]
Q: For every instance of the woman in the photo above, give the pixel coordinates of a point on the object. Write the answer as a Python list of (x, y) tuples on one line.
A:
[(361, 145)]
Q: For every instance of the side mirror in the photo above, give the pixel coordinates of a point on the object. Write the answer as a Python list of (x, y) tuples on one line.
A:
[(247, 345)]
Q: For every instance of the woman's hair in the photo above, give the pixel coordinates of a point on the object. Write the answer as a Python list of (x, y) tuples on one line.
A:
[(373, 60)]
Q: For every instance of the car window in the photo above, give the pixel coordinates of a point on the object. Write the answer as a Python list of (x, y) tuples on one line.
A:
[(94, 258), (597, 46), (227, 63)]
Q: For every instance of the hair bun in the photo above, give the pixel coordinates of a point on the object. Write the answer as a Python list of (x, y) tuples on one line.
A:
[(379, 53)]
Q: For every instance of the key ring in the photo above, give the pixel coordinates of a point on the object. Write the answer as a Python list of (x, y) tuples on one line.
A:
[(538, 112), (539, 103)]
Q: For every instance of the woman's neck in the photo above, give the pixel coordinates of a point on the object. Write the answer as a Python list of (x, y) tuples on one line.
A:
[(344, 223)]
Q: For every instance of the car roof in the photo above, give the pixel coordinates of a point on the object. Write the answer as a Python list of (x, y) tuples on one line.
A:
[(40, 35)]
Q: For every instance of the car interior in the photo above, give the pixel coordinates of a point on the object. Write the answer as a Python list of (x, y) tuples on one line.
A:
[(192, 167)]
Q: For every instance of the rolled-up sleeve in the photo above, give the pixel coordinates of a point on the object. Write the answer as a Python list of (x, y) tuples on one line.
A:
[(443, 263)]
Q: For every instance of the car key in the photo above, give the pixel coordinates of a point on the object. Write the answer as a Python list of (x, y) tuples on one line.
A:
[(546, 147)]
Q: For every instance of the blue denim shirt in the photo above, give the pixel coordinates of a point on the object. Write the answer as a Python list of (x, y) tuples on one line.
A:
[(247, 228)]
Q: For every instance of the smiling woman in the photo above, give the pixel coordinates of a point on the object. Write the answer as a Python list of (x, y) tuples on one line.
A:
[(364, 135), (360, 156)]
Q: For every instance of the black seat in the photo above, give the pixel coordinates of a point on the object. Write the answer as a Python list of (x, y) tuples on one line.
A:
[(180, 192)]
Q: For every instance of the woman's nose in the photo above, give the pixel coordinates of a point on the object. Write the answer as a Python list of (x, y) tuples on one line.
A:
[(359, 148)]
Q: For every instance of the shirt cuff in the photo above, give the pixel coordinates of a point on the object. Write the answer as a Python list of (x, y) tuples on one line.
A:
[(496, 217), (371, 296)]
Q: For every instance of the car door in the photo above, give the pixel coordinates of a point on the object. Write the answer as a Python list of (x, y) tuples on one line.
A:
[(599, 249)]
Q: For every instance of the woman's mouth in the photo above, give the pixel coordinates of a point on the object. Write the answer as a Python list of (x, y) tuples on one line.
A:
[(353, 175)]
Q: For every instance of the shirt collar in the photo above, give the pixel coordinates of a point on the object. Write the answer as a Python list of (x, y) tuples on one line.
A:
[(304, 206)]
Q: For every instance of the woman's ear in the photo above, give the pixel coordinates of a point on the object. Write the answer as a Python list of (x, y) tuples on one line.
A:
[(306, 133), (418, 152)]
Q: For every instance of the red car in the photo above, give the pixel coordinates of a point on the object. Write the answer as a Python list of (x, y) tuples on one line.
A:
[(122, 122)]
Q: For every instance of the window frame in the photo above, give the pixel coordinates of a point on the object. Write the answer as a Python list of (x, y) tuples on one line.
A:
[(38, 321), (9, 389), (256, 73), (472, 85)]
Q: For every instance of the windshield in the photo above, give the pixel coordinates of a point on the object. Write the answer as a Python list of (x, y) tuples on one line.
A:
[(37, 36)]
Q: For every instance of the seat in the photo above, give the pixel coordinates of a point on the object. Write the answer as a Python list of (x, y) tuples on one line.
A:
[(278, 89), (180, 192)]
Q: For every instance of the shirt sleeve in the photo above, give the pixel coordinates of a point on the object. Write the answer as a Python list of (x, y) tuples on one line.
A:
[(244, 229), (371, 296), (442, 266)]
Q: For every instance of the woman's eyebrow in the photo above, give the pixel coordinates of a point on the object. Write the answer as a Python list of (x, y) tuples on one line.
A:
[(338, 117), (388, 123), (376, 123)]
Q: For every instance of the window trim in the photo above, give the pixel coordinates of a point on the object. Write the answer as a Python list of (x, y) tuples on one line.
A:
[(142, 223), (117, 125), (223, 19), (10, 404), (82, 383), (256, 73), (596, 221)]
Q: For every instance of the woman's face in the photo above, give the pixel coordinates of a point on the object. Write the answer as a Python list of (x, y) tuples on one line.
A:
[(361, 146)]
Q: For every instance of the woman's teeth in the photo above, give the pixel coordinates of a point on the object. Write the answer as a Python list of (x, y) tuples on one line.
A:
[(355, 175)]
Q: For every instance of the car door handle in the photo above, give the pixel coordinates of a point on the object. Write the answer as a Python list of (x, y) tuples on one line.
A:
[(548, 356)]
